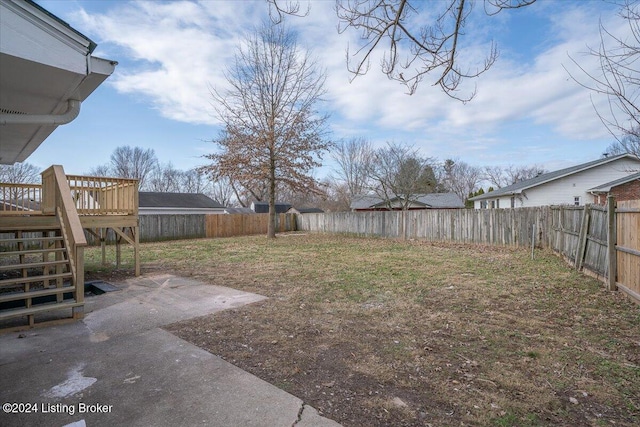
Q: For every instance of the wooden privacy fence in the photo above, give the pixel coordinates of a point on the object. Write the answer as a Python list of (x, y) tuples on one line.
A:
[(627, 253), (487, 226), (581, 234), (246, 224), (154, 228)]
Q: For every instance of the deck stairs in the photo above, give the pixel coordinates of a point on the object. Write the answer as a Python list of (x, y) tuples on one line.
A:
[(36, 274)]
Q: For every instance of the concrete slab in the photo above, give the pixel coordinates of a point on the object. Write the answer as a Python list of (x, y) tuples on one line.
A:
[(119, 368)]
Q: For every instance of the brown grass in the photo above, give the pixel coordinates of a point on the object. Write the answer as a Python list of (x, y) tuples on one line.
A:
[(383, 332)]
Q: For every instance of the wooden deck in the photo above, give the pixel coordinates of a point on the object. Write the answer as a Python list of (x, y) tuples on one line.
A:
[(65, 208)]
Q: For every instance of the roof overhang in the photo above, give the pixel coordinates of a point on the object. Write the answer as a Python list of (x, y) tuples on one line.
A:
[(46, 71)]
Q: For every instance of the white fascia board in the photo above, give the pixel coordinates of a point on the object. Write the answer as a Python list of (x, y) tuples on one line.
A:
[(179, 211), (29, 33)]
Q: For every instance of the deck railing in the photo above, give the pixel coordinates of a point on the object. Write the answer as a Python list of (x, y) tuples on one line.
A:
[(90, 195), (104, 196), (20, 199)]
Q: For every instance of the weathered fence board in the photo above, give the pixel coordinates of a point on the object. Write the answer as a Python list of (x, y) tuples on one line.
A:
[(628, 248), (155, 228), (488, 226)]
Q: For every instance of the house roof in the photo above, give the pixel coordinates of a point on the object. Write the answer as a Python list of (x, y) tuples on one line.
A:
[(23, 204), (518, 187), (605, 188), (263, 207), (153, 199), (433, 200)]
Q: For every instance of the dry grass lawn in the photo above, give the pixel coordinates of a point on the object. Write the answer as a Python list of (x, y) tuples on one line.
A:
[(382, 332)]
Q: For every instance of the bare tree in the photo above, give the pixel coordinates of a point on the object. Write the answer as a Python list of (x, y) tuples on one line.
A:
[(272, 130), (195, 181), (164, 178), (221, 191), (19, 173), (628, 144), (619, 77), (137, 163), (102, 170), (354, 158), (503, 176), (460, 178), (400, 175), (338, 197), (412, 48)]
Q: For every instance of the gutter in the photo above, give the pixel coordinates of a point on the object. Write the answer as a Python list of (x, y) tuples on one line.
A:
[(73, 109)]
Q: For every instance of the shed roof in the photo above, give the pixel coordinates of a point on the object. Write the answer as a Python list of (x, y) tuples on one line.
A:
[(154, 199)]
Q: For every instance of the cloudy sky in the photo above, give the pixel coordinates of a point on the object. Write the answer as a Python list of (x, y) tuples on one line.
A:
[(528, 110)]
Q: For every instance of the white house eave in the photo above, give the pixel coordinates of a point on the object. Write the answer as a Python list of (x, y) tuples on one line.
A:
[(148, 210), (47, 71), (24, 24)]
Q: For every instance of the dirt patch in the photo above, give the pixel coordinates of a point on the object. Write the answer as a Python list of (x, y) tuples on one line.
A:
[(378, 332)]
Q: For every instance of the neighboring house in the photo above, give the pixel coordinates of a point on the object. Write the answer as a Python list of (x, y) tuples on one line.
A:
[(46, 71), (156, 203), (571, 186), (232, 211), (627, 188), (304, 210), (263, 207), (421, 201), (26, 205)]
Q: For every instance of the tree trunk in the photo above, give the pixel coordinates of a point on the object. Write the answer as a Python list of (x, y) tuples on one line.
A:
[(271, 227)]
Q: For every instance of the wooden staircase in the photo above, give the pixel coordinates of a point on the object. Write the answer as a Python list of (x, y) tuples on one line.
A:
[(36, 274)]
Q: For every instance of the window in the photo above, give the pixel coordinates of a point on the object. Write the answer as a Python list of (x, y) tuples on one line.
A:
[(493, 204), (576, 200), (513, 202), (498, 204)]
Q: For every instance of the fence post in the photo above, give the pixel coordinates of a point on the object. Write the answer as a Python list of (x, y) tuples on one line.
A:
[(611, 243)]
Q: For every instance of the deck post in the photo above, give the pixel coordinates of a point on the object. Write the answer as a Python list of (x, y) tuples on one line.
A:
[(103, 245), (136, 248), (78, 312)]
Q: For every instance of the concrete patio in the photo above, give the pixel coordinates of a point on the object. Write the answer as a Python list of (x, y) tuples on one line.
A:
[(118, 367)]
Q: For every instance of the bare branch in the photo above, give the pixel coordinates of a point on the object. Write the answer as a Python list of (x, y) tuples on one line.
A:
[(619, 76)]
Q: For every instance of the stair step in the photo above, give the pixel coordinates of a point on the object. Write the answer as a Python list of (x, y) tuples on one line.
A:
[(30, 239), (34, 265), (15, 296), (31, 252), (16, 312), (32, 279)]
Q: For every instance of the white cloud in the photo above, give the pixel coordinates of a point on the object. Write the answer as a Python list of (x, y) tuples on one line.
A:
[(173, 51), (176, 51)]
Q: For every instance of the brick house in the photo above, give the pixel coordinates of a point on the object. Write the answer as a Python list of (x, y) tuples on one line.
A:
[(627, 188)]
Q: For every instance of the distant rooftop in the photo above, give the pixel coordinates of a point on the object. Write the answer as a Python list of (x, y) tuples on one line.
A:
[(153, 199)]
